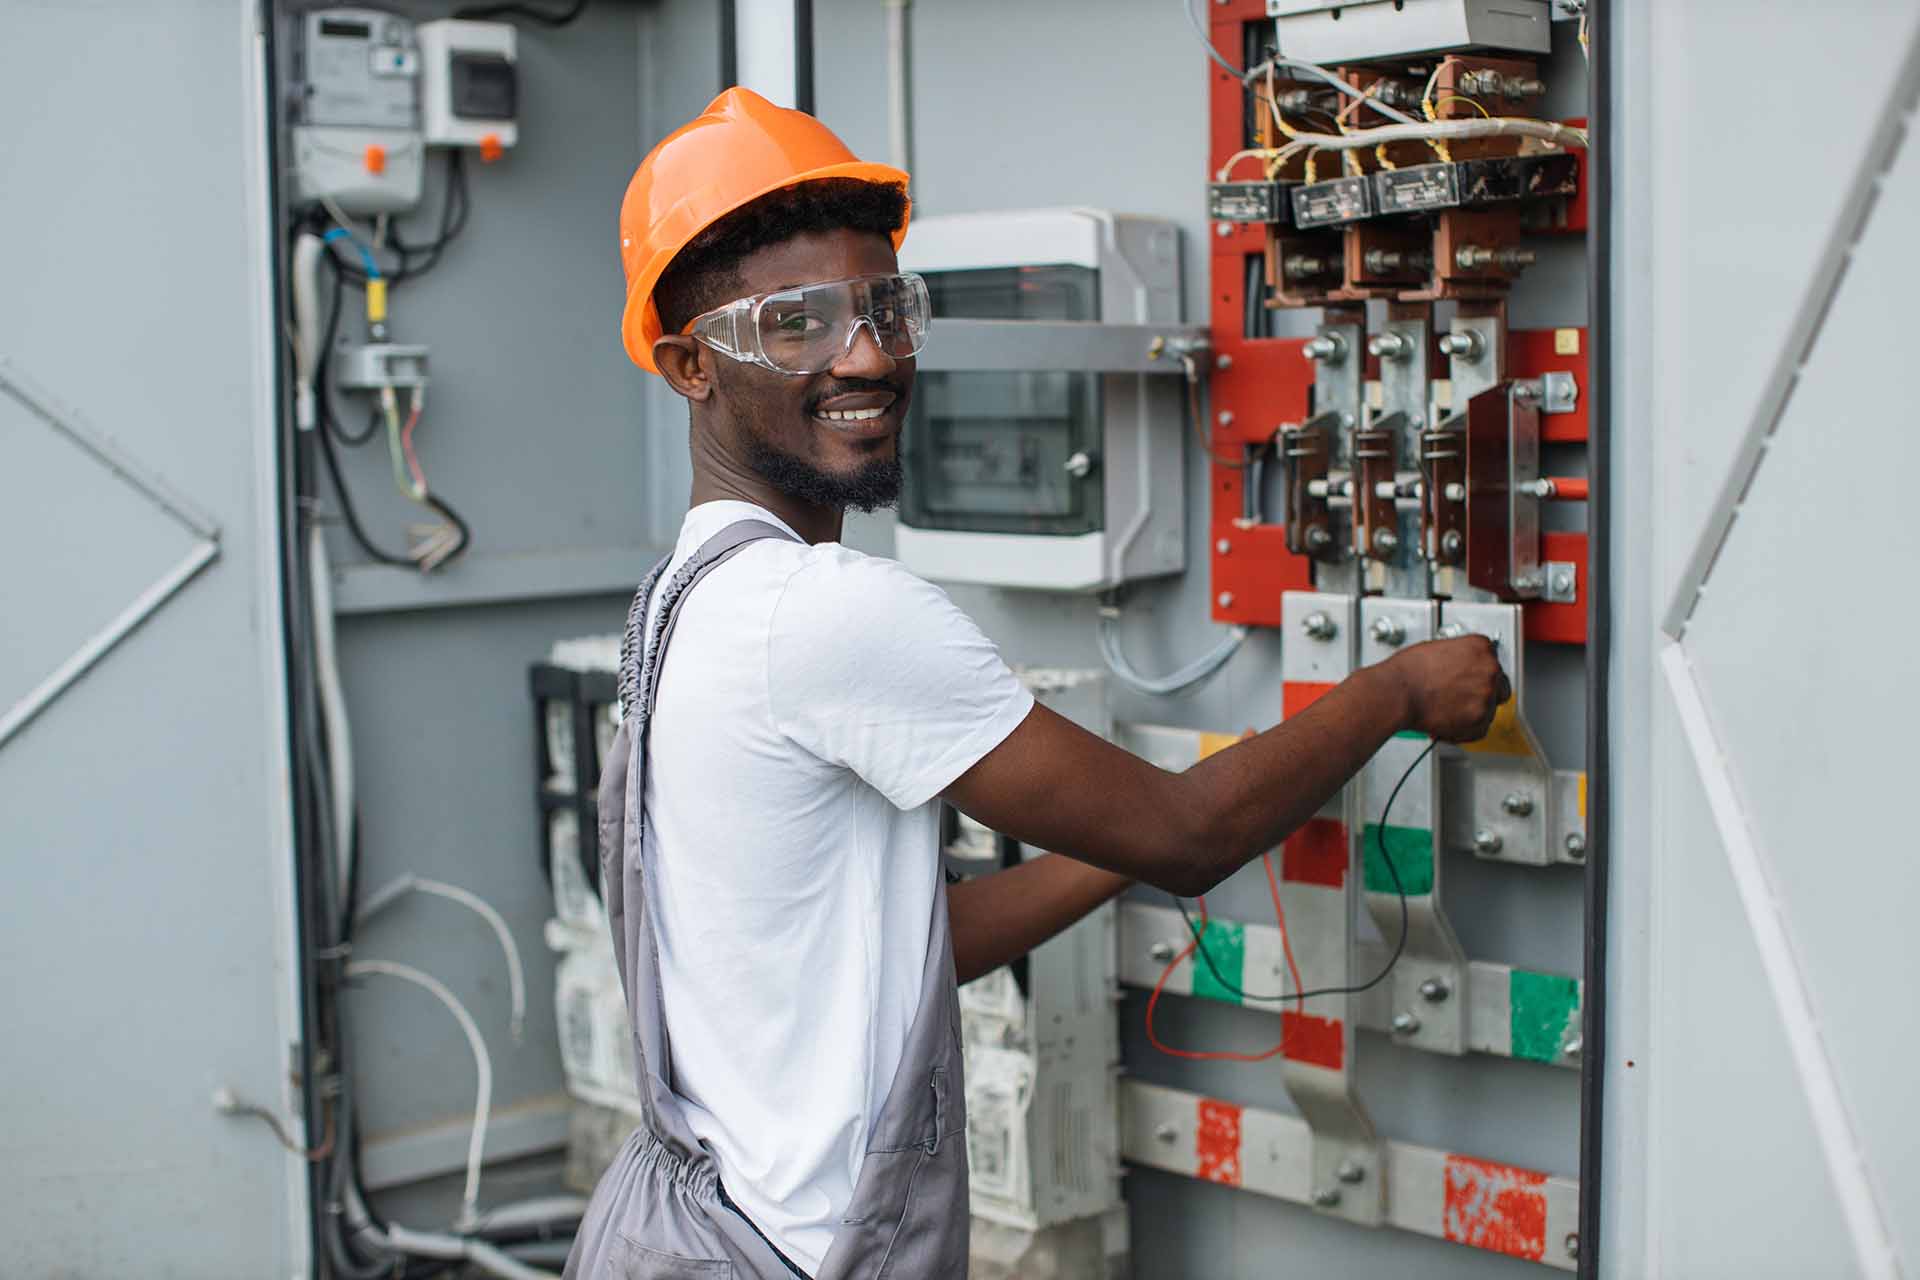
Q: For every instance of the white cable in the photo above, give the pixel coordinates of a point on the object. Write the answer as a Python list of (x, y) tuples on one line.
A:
[(410, 883), (1107, 631), (483, 1068), (306, 327), (481, 1254), (1312, 69), (1495, 127), (528, 1213), (333, 705)]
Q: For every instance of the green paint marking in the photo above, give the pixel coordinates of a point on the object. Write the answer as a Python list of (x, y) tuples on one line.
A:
[(1412, 850), (1543, 1008), (1411, 735), (1226, 942)]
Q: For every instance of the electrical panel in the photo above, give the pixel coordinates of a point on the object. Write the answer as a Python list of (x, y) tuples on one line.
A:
[(469, 85), (356, 111), (1051, 469)]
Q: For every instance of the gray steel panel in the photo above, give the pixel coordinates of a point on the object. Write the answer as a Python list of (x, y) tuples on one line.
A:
[(967, 345), (1816, 731)]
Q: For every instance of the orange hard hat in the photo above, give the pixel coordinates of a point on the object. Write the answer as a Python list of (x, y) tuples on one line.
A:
[(740, 148)]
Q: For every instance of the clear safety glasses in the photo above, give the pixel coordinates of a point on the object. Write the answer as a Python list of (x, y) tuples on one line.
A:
[(809, 329)]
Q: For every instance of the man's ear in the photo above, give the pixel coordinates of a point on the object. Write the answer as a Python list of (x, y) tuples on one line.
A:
[(677, 356)]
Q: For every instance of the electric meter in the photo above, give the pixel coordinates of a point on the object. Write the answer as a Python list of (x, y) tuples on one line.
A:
[(356, 111)]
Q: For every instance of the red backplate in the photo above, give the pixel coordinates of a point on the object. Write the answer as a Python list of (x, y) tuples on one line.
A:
[(1561, 623), (1532, 352), (1261, 382)]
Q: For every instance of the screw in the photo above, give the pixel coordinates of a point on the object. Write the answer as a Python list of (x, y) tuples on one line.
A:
[(1385, 542), (1389, 632), (1226, 417), (1319, 626), (1405, 1024), (1435, 990), (1573, 1244), (1562, 583), (1518, 803), (1526, 392), (1326, 1197), (1350, 1172), (1223, 546), (1463, 344), (1526, 582), (1328, 346), (1452, 630), (1298, 266), (1486, 843), (1450, 544), (1225, 599), (1455, 492), (1472, 257), (1166, 1133), (1223, 362), (1161, 951), (1318, 539), (1223, 229), (1573, 1047), (1390, 346), (1577, 846)]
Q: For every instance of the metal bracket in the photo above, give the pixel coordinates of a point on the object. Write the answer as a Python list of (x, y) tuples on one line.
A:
[(1429, 983), (1559, 393), (1504, 779), (1014, 346), (1562, 582)]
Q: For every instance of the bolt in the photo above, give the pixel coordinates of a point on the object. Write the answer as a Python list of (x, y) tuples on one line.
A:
[(1161, 951), (1452, 630), (1166, 1133), (1223, 229), (1472, 257), (1328, 346), (1225, 418), (1526, 582), (1318, 539), (1529, 392), (1573, 1047), (1486, 843), (1463, 344), (1223, 362), (1455, 492), (1225, 599), (1223, 546), (1562, 583), (1388, 631), (1350, 1172), (1577, 846), (1386, 491), (1573, 1244), (1435, 990), (1319, 626), (1405, 1024), (1327, 1197), (1390, 346), (1518, 803), (1451, 543), (1300, 266), (1385, 542)]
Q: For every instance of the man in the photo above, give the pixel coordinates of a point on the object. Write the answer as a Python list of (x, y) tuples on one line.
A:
[(796, 711)]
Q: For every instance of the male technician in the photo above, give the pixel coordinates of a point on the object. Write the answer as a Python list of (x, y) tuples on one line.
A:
[(796, 711)]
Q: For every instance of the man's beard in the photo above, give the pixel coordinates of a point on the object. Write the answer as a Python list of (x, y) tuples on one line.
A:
[(874, 485)]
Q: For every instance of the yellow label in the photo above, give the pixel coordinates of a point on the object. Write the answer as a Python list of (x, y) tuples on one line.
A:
[(1566, 342), (1505, 737), (1583, 797), (1215, 742)]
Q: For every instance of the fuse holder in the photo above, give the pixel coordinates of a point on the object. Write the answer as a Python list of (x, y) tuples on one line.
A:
[(376, 158), (490, 148)]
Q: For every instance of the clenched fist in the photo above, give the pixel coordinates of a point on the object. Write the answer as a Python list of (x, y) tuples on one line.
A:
[(1452, 687)]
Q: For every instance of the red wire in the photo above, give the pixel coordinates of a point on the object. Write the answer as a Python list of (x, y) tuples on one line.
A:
[(1286, 934), (1210, 1055), (406, 447)]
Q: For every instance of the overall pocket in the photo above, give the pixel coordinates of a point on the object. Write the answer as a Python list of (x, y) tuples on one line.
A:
[(630, 1261)]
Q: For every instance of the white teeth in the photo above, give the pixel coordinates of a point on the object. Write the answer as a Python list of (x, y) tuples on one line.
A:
[(853, 415)]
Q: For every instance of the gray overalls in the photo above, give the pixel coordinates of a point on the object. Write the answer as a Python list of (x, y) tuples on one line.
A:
[(660, 1212)]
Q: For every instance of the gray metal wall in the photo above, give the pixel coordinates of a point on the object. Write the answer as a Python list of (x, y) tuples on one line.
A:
[(144, 819)]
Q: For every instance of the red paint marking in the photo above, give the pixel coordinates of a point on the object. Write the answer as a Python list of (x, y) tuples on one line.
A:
[(1561, 623), (1316, 854), (1297, 695), (1319, 1042), (1217, 1142), (1496, 1206)]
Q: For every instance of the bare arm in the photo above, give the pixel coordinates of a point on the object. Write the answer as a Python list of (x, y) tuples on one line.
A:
[(1000, 917), (1053, 785)]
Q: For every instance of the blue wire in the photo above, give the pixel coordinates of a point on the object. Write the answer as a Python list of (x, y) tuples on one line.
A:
[(366, 254)]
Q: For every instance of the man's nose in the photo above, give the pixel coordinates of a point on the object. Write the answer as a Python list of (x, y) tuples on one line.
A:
[(864, 357)]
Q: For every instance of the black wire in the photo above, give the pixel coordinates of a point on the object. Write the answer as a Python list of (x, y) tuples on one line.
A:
[(559, 18), (352, 516), (323, 385), (1400, 944)]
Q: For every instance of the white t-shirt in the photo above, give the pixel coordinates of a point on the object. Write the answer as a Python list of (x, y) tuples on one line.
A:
[(813, 705)]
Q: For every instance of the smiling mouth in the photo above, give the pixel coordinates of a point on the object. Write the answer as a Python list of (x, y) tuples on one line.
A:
[(853, 415)]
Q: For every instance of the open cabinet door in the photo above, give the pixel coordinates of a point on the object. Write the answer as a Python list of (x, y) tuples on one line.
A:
[(146, 928)]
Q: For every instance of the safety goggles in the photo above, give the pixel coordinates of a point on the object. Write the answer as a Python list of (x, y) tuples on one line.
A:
[(811, 328)]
